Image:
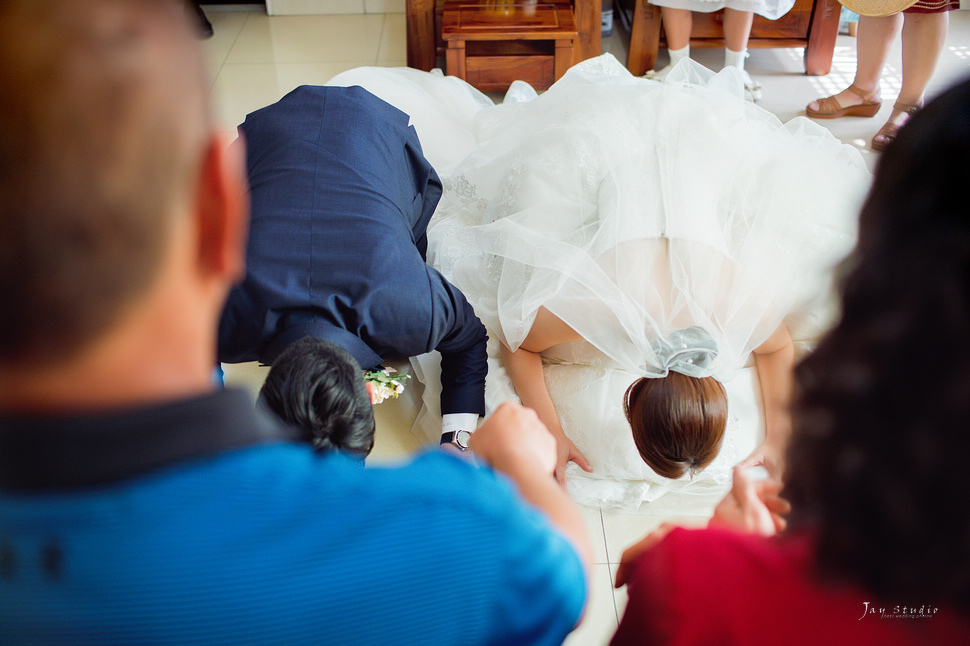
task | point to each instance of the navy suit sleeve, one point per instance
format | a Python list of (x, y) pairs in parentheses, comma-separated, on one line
[(461, 339)]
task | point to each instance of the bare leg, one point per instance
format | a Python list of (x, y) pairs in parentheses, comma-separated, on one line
[(872, 44), (737, 28), (923, 38), (677, 25)]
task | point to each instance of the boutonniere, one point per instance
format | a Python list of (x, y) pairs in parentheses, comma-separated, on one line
[(388, 383)]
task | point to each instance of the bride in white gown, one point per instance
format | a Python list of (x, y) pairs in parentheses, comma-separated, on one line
[(617, 229)]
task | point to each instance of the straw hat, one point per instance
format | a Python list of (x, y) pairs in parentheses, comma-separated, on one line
[(877, 7)]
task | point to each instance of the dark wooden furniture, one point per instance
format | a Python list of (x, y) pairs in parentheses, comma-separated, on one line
[(425, 20), (490, 45), (812, 24)]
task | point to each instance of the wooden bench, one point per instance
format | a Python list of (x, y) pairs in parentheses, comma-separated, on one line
[(812, 24), (491, 44)]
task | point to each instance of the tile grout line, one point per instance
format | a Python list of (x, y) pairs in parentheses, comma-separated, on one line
[(380, 40), (235, 40), (609, 568), (606, 545)]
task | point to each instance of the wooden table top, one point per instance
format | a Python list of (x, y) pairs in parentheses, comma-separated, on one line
[(508, 21)]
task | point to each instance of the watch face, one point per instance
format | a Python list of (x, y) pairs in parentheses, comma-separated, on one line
[(462, 438)]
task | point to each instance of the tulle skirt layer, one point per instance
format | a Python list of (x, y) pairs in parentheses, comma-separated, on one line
[(631, 209)]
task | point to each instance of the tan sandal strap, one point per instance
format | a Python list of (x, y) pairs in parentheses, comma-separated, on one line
[(828, 104), (888, 131), (909, 108), (859, 92)]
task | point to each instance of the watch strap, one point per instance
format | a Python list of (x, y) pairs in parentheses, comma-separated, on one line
[(451, 437)]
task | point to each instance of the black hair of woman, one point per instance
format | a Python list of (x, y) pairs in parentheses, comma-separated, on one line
[(882, 407)]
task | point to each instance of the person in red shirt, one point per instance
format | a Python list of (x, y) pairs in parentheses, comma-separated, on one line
[(876, 549)]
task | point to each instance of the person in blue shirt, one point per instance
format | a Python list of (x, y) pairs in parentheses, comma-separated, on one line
[(140, 503)]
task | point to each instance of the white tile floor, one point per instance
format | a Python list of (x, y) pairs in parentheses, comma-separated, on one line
[(256, 59)]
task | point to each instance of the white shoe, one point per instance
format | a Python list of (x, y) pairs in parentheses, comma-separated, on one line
[(752, 89), (658, 75)]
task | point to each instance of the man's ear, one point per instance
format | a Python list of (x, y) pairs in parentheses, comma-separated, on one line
[(222, 205)]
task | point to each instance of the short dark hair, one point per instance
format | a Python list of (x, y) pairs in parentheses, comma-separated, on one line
[(102, 132), (678, 422), (881, 413), (316, 387)]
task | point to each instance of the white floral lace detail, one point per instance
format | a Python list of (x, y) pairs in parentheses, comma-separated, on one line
[(508, 195), (604, 66), (461, 187)]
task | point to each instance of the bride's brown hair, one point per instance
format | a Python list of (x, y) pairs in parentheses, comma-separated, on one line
[(678, 421)]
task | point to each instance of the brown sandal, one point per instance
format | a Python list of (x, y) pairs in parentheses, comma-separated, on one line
[(887, 134), (830, 108)]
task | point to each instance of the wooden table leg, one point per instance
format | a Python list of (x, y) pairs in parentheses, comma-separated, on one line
[(455, 59), (822, 33), (420, 34), (644, 38), (589, 24), (565, 51)]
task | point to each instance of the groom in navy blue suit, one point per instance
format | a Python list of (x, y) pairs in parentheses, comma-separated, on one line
[(341, 199)]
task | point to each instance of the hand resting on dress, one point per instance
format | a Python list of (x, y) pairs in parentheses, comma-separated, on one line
[(524, 367)]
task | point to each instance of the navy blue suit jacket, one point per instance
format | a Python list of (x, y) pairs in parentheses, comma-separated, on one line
[(341, 198)]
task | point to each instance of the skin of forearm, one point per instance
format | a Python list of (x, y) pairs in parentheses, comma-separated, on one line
[(775, 360), (525, 370)]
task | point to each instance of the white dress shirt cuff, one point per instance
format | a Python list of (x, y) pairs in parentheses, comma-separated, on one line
[(459, 422)]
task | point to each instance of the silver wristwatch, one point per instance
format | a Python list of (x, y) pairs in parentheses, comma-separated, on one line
[(459, 438)]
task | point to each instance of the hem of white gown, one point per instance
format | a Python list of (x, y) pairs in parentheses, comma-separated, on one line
[(771, 11)]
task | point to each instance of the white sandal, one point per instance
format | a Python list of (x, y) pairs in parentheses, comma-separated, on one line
[(752, 89), (658, 75)]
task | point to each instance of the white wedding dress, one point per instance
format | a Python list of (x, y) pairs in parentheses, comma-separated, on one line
[(771, 9), (632, 210)]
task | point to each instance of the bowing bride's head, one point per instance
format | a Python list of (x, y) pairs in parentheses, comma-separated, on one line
[(678, 421)]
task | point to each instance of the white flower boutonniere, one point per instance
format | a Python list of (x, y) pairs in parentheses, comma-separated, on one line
[(389, 383)]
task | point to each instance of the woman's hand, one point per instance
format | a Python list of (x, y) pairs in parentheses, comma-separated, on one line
[(769, 456), (752, 506), (524, 368), (631, 553), (567, 452)]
